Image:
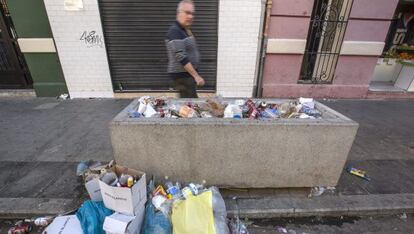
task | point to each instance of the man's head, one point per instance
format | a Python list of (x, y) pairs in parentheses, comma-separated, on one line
[(185, 13)]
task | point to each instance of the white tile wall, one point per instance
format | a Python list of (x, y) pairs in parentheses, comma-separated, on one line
[(84, 65), (238, 42)]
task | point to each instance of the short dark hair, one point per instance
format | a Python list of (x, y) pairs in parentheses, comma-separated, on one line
[(182, 2)]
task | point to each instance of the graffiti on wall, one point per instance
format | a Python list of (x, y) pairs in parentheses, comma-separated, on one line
[(92, 39)]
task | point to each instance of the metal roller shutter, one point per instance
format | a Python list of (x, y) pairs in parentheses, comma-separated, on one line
[(134, 32)]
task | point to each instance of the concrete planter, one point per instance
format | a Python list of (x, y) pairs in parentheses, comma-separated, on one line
[(237, 153)]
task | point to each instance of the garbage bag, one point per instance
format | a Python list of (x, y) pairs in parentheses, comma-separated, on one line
[(91, 216), (155, 222), (195, 214), (219, 212), (237, 227)]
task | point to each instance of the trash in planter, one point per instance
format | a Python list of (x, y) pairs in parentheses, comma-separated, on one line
[(21, 227), (269, 113), (133, 114), (187, 112), (215, 107), (310, 112), (357, 172), (308, 102), (233, 111), (303, 108), (253, 112)]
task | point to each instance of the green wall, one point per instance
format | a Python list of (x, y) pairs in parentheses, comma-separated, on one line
[(50, 81), (30, 18), (30, 21)]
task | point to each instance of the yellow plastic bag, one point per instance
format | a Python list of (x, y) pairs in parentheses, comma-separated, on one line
[(194, 215)]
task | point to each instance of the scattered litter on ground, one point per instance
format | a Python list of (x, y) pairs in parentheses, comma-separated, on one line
[(149, 107), (318, 191), (43, 221), (237, 227), (64, 96), (122, 202), (403, 216), (280, 229), (357, 172), (92, 215), (68, 224), (21, 227)]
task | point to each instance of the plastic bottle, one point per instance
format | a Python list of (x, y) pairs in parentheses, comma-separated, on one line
[(228, 112), (172, 189), (43, 221), (237, 112), (130, 182)]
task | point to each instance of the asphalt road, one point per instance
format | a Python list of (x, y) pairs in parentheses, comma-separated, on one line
[(354, 225), (403, 223)]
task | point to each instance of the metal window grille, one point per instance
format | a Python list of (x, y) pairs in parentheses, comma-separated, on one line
[(326, 33), (5, 8)]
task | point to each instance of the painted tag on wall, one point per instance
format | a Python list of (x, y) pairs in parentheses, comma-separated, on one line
[(92, 39)]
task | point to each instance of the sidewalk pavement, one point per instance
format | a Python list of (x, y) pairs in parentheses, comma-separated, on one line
[(43, 139)]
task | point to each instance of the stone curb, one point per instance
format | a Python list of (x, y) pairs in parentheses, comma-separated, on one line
[(11, 208), (17, 93), (353, 205)]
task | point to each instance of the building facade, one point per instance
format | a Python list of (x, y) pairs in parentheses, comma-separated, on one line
[(269, 48), (330, 48)]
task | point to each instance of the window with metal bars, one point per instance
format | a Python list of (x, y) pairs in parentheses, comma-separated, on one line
[(326, 33), (5, 8)]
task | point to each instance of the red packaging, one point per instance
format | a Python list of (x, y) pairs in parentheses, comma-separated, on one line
[(253, 112), (21, 228)]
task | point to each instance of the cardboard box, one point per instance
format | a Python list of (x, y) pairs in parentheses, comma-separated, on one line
[(118, 223), (64, 225), (94, 190), (125, 200)]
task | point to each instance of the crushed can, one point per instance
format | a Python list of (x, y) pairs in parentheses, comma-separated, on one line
[(21, 228)]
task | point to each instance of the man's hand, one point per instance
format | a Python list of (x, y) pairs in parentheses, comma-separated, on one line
[(199, 80)]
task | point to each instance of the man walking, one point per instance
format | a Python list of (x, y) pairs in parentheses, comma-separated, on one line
[(183, 54)]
